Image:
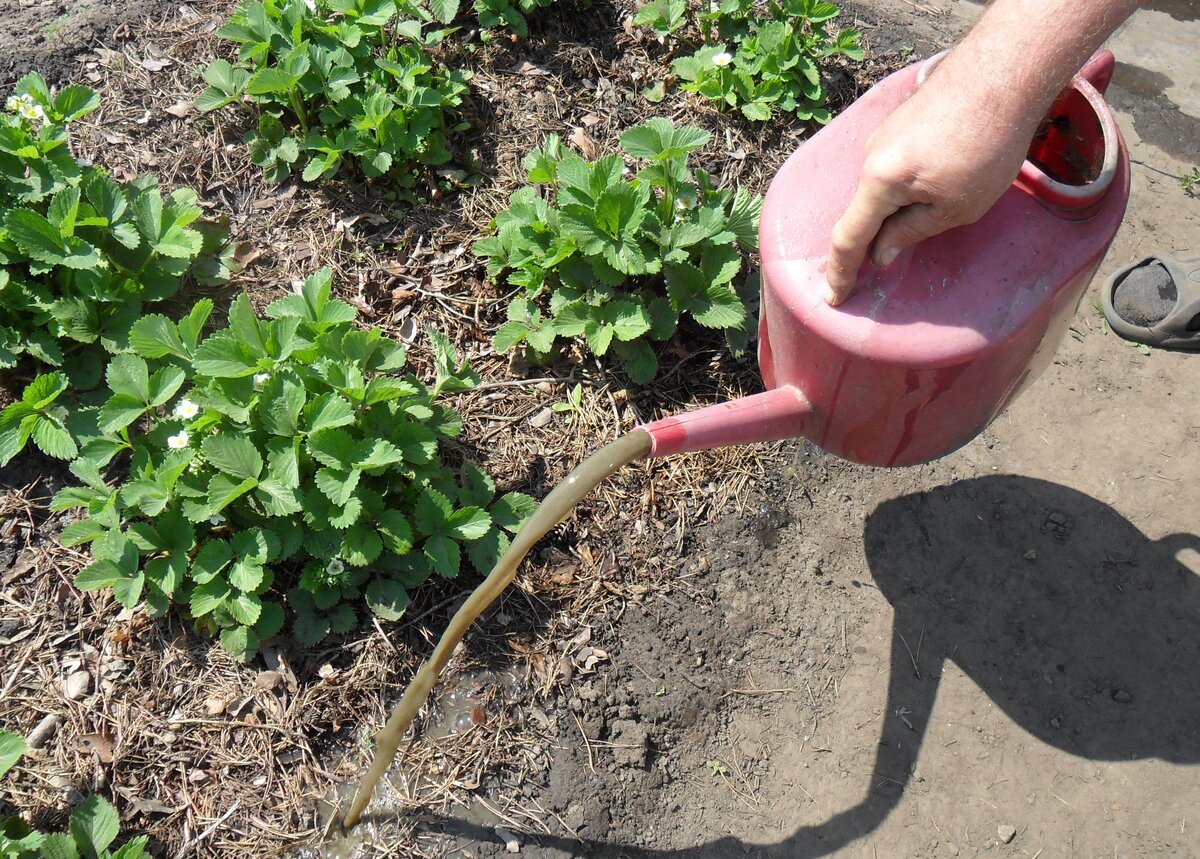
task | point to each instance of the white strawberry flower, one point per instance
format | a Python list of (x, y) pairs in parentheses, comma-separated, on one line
[(722, 58), (685, 202), (194, 466), (26, 107), (335, 567), (260, 379), (186, 409), (178, 441), (216, 519)]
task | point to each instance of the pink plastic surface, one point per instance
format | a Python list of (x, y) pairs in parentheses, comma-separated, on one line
[(929, 351)]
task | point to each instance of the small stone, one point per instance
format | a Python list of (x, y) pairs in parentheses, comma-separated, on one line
[(215, 706), (1122, 697), (511, 844), (542, 419), (77, 685), (43, 731), (1006, 833), (1031, 555)]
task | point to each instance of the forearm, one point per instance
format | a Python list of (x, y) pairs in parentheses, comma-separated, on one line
[(1022, 53)]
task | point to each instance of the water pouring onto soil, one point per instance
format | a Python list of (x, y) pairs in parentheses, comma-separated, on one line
[(554, 509)]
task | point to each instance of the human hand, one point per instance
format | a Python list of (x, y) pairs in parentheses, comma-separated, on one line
[(940, 160)]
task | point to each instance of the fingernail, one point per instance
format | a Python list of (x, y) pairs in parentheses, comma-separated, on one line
[(831, 297), (888, 256)]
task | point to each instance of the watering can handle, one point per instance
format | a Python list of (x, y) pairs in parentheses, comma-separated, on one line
[(1098, 71)]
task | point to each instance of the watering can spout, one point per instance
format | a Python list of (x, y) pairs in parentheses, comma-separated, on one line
[(779, 413)]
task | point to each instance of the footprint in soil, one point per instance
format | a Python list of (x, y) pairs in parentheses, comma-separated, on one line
[(1085, 631)]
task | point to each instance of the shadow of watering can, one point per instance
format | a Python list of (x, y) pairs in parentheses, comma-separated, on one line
[(928, 352)]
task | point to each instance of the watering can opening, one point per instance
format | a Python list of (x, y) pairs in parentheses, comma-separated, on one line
[(929, 351)]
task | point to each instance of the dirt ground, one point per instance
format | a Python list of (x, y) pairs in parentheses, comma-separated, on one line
[(844, 662)]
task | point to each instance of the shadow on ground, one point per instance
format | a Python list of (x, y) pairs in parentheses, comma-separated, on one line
[(1085, 631)]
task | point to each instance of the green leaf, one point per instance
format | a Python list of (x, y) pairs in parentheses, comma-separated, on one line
[(387, 598), (43, 241), (658, 139), (99, 574), (212, 557), (333, 447), (240, 641), (432, 511), (361, 545), (469, 523), (721, 308), (128, 374), (223, 356), (119, 412), (94, 825), (55, 846), (477, 487), (44, 390), (328, 410), (209, 596), (284, 403), (444, 555), (338, 485), (244, 608), (396, 531), (512, 510), (12, 746), (235, 455), (82, 531), (155, 336), (53, 439), (164, 383), (223, 490), (270, 621)]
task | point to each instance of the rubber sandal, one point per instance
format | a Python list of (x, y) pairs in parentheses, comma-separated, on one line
[(1152, 314)]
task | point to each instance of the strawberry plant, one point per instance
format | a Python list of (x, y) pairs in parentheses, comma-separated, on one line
[(92, 828), (619, 258), (80, 253), (508, 13), (757, 63), (337, 81), (279, 459)]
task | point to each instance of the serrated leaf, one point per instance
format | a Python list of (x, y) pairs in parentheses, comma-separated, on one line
[(241, 642), (337, 485), (44, 390), (209, 596), (396, 531), (512, 510), (94, 825), (43, 241), (469, 523), (235, 455), (333, 447), (212, 557), (244, 607), (328, 410), (129, 375), (223, 490), (119, 412), (387, 598), (12, 746), (155, 336), (444, 555), (361, 545), (431, 512), (53, 439), (82, 531), (164, 383)]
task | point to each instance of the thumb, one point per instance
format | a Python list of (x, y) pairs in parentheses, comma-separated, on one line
[(905, 228)]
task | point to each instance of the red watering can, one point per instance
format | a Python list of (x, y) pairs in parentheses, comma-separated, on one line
[(928, 352)]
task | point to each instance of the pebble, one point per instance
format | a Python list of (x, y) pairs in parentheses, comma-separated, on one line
[(1122, 697), (542, 419), (1006, 833), (77, 684), (511, 844)]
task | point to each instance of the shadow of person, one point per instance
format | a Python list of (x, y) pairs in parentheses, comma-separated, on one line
[(1082, 629)]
